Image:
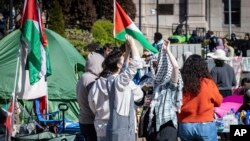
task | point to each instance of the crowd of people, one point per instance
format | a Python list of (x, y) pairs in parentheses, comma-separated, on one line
[(175, 101), (232, 47)]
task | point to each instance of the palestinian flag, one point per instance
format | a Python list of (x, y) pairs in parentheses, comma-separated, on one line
[(124, 25), (34, 58), (38, 63)]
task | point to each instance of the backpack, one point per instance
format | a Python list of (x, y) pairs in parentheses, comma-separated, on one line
[(213, 43)]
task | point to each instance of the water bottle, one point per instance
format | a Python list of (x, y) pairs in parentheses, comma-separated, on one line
[(237, 115), (247, 117), (243, 116)]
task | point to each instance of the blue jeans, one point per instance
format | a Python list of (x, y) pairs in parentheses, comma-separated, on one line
[(205, 131)]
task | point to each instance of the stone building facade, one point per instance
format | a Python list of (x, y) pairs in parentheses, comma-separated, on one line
[(202, 15)]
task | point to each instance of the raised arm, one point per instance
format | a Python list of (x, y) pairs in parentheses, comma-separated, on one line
[(132, 46), (175, 73), (128, 74)]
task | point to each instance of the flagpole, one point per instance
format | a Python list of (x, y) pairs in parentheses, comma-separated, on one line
[(14, 99), (39, 17), (41, 31), (157, 15), (140, 14), (114, 4)]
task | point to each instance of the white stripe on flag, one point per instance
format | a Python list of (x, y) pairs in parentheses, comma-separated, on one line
[(134, 27), (43, 61), (24, 89)]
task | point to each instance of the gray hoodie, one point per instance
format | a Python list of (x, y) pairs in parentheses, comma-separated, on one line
[(92, 69)]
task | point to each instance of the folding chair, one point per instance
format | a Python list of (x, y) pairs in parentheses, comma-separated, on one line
[(47, 120), (60, 124)]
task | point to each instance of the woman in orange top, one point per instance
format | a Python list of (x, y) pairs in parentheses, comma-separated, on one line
[(200, 96)]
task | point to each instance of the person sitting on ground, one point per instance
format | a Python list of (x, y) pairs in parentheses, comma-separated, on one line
[(245, 83)]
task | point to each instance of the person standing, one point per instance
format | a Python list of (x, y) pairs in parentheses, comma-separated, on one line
[(230, 50), (223, 74), (112, 97), (246, 45), (107, 48), (200, 96), (158, 41), (2, 26), (221, 45), (212, 41), (194, 39), (235, 44), (86, 117), (167, 96)]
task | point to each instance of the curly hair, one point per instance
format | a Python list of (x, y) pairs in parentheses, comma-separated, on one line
[(110, 63), (193, 71)]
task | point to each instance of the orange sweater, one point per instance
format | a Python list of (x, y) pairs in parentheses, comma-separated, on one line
[(200, 108)]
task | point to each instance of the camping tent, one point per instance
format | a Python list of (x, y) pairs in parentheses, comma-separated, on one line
[(66, 63)]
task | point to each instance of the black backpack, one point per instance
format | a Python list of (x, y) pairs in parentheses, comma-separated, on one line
[(213, 42)]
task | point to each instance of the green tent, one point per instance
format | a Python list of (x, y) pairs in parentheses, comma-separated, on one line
[(66, 64)]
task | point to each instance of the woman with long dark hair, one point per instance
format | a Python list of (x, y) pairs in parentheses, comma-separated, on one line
[(200, 96)]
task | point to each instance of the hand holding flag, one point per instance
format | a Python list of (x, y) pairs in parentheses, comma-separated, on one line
[(124, 25)]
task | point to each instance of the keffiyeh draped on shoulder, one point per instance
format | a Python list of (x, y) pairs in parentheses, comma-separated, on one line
[(168, 96)]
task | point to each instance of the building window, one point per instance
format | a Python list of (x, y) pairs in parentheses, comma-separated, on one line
[(182, 10), (166, 9), (235, 12)]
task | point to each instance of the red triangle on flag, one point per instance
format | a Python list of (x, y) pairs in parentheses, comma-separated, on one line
[(121, 20)]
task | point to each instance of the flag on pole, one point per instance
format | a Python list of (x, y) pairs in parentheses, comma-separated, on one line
[(124, 25), (34, 58), (33, 35)]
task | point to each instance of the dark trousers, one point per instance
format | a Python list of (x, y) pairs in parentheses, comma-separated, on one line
[(88, 131), (225, 93), (167, 132)]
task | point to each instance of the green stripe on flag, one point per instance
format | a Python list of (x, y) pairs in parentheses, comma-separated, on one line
[(32, 36), (138, 36), (121, 35), (48, 64)]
